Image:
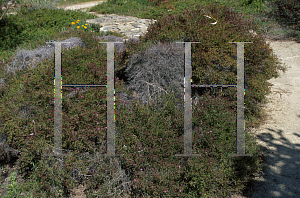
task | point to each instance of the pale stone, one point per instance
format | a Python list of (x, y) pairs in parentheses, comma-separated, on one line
[(253, 32)]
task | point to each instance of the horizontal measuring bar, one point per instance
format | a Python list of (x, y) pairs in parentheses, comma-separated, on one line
[(214, 85), (191, 85), (85, 85)]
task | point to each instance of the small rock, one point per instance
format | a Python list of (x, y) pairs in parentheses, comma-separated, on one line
[(253, 32)]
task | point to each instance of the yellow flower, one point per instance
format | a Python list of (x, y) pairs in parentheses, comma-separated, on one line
[(82, 25), (78, 27), (85, 24), (85, 27), (73, 23)]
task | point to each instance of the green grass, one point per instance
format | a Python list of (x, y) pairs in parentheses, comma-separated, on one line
[(39, 183)]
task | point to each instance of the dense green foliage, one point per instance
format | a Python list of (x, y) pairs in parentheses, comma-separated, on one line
[(34, 24), (149, 139)]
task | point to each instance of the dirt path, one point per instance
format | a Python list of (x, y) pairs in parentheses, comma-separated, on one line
[(82, 6), (280, 133)]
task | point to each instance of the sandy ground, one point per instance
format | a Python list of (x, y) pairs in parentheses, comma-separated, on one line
[(281, 134)]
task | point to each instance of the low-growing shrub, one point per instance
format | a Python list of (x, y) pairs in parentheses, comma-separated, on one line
[(214, 59), (214, 62), (146, 138), (288, 12), (10, 33)]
